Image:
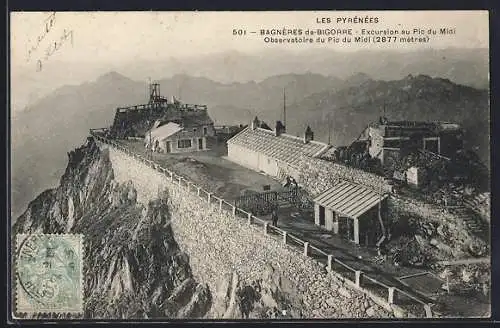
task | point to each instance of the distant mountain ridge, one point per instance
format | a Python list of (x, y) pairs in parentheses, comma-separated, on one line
[(415, 98), (462, 66), (42, 134)]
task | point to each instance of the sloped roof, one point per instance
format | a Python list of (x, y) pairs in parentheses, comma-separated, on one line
[(285, 148), (349, 199), (165, 131)]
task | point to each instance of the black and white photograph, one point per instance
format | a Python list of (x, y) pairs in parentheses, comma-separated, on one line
[(273, 165)]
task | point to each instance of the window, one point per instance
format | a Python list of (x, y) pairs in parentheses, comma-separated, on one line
[(432, 145), (205, 131), (396, 143), (194, 130), (185, 143)]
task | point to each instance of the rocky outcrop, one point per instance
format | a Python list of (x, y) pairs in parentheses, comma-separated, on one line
[(439, 234), (133, 267)]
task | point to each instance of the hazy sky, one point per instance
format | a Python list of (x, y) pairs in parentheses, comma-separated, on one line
[(123, 36)]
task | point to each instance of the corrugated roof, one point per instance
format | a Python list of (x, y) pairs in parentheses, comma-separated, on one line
[(349, 199), (165, 131), (285, 148)]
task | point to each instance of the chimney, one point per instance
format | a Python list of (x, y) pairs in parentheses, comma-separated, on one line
[(255, 123), (308, 135), (279, 129)]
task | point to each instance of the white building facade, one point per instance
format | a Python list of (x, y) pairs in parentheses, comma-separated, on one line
[(266, 151)]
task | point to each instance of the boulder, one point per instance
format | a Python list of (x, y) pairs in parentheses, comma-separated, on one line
[(442, 231), (344, 292), (370, 312), (330, 301), (420, 240)]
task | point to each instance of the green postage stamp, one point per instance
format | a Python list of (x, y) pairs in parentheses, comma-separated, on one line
[(48, 273)]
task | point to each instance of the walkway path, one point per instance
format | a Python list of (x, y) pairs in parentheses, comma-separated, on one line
[(301, 225)]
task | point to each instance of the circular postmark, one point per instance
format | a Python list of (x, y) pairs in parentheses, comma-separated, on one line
[(48, 271)]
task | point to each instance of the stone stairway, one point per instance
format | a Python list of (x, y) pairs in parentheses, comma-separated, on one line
[(475, 202), (471, 219), (480, 206), (282, 203)]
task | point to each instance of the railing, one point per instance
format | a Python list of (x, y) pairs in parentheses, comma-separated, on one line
[(357, 278), (133, 107), (151, 106), (98, 130), (259, 203), (193, 107), (429, 153)]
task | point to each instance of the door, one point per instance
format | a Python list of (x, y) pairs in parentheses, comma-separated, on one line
[(200, 143), (168, 147), (346, 228), (350, 229), (322, 216), (431, 145)]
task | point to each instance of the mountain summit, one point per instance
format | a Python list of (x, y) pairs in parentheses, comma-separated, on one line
[(42, 134), (113, 77), (413, 98)]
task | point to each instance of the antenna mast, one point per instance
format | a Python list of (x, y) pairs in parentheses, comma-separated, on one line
[(180, 86), (329, 128), (284, 108), (150, 88)]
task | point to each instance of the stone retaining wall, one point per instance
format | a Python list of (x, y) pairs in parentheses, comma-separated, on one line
[(317, 175), (218, 244)]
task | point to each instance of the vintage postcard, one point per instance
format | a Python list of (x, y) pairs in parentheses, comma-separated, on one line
[(250, 165)]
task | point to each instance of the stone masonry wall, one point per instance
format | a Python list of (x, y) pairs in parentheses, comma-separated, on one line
[(218, 244), (317, 175)]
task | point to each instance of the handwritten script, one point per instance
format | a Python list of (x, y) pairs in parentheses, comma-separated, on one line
[(52, 46), (49, 23)]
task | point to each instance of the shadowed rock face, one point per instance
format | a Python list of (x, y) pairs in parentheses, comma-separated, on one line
[(133, 268), (270, 297)]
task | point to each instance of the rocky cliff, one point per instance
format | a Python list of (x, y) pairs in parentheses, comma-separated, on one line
[(133, 267), (144, 256)]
